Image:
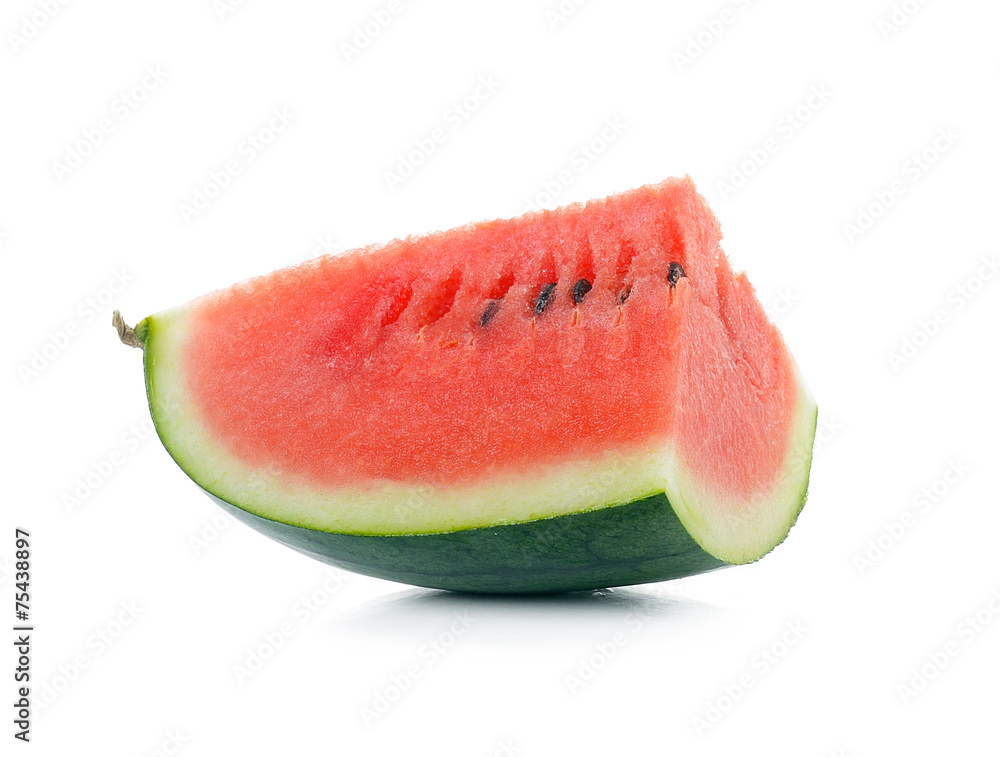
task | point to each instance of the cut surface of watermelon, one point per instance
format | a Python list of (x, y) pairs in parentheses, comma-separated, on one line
[(494, 375)]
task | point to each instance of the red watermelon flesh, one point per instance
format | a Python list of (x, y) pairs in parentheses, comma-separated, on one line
[(493, 365)]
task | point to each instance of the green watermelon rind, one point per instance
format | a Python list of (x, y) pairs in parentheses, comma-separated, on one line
[(621, 545)]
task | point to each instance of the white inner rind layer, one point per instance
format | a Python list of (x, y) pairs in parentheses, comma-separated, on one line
[(736, 531)]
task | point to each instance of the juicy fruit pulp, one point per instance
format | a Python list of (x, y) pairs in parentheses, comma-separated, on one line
[(492, 376)]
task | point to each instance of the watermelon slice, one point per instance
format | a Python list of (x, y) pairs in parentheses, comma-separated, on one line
[(575, 398)]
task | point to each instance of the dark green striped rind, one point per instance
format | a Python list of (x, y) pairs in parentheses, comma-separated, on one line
[(638, 542)]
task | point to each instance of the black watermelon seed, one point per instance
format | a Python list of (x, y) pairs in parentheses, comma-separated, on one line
[(491, 310), (624, 295), (580, 290), (676, 273), (542, 301)]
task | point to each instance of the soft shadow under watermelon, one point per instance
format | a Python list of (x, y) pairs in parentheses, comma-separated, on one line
[(410, 613)]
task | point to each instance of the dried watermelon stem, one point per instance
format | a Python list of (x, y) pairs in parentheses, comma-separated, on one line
[(125, 332)]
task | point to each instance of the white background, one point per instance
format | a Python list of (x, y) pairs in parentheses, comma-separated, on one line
[(846, 300)]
